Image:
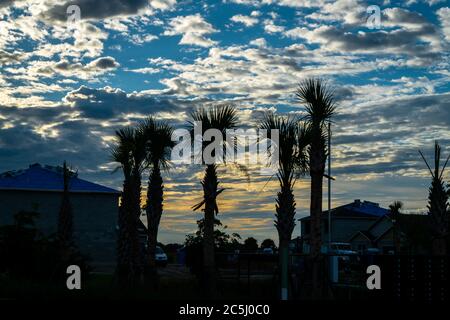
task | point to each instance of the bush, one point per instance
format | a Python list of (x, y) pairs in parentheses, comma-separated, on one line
[(25, 253)]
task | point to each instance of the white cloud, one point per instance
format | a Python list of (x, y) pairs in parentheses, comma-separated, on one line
[(194, 30), (246, 20), (270, 27), (260, 42), (444, 17)]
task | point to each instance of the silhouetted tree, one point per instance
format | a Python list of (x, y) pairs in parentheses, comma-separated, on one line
[(320, 106), (220, 118), (65, 216), (395, 208), (438, 204), (268, 243), (292, 161), (159, 145), (129, 151), (250, 244)]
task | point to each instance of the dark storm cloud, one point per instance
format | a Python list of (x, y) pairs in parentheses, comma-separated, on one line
[(22, 144), (98, 9), (400, 38), (108, 103)]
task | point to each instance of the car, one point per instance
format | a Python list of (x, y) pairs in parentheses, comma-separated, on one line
[(160, 257), (268, 251), (371, 251), (341, 249)]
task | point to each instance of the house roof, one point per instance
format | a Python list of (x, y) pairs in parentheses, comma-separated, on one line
[(47, 178), (356, 209)]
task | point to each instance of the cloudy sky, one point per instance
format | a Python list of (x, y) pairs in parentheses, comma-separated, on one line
[(66, 86)]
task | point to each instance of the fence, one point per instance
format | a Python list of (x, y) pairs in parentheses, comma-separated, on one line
[(403, 278)]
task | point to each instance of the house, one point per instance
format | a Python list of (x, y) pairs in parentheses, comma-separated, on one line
[(379, 235), (408, 233), (346, 221), (39, 188)]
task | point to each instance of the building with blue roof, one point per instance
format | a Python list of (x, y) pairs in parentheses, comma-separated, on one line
[(346, 221), (39, 188)]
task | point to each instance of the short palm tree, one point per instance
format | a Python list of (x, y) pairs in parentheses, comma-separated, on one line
[(129, 151), (438, 203), (159, 146), (292, 157), (395, 209), (65, 216), (220, 118)]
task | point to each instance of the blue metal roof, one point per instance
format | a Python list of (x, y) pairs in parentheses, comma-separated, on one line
[(356, 209), (47, 178), (367, 208)]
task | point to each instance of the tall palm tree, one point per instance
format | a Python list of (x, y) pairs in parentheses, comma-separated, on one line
[(220, 118), (292, 146), (438, 203), (129, 151), (159, 145), (395, 208), (320, 106)]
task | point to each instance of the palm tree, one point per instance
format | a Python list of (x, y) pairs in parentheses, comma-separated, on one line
[(65, 217), (159, 146), (291, 161), (395, 208), (320, 106), (220, 118), (129, 151), (438, 204)]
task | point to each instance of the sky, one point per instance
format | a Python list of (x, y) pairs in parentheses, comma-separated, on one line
[(66, 85)]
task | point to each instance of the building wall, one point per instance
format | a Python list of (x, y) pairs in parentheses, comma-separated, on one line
[(360, 243), (95, 218), (343, 229)]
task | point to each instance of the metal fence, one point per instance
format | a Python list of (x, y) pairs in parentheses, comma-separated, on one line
[(403, 278)]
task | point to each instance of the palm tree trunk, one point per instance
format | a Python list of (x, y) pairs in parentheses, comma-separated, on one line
[(123, 239), (210, 184), (316, 212), (154, 211), (285, 224), (317, 170), (65, 218), (134, 216)]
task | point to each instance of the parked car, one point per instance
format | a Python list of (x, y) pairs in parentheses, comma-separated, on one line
[(160, 257), (372, 251), (341, 249), (268, 251)]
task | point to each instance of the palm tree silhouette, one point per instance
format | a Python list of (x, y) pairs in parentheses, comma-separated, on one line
[(129, 151), (159, 145), (220, 118), (395, 209), (320, 106), (438, 204), (292, 161)]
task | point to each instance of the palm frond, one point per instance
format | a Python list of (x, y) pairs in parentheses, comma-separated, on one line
[(318, 99)]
